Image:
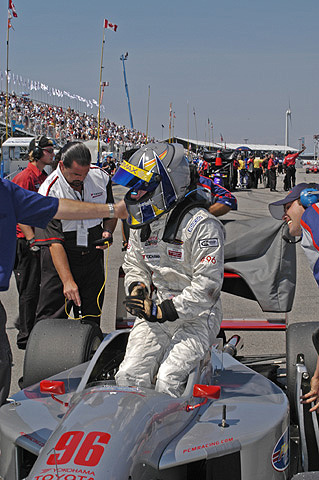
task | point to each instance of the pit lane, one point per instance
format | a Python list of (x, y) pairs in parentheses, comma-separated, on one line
[(251, 204)]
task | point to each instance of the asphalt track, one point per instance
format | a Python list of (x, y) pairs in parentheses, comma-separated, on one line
[(253, 203)]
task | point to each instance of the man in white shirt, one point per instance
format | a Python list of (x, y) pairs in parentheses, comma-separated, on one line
[(72, 265)]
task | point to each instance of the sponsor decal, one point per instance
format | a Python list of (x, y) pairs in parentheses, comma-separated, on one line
[(207, 445), (65, 474), (32, 439), (151, 241), (209, 242), (177, 254), (129, 246), (280, 454), (177, 242), (83, 450), (97, 194), (208, 259), (194, 223), (151, 256)]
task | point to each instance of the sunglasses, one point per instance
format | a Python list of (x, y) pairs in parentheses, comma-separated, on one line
[(49, 150)]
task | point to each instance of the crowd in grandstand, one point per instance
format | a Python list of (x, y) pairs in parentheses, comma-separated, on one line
[(66, 124)]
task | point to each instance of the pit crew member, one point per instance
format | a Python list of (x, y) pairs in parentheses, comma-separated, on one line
[(300, 210), (72, 267), (27, 263), (289, 164)]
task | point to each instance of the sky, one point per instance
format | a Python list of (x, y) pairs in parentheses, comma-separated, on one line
[(239, 64)]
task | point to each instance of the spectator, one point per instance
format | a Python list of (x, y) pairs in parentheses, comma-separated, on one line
[(109, 165)]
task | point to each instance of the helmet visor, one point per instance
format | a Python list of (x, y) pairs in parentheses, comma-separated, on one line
[(136, 178)]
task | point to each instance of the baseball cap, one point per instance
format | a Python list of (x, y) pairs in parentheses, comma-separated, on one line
[(41, 142), (277, 208)]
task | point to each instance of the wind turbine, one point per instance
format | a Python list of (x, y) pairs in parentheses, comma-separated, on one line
[(288, 119)]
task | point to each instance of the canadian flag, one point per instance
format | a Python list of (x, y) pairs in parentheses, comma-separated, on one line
[(109, 25), (13, 8)]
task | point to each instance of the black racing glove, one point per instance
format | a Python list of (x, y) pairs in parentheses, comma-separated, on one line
[(143, 308), (141, 305)]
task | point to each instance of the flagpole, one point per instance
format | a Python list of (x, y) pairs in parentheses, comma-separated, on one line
[(148, 111), (187, 128), (170, 122), (99, 110), (195, 130), (173, 137), (7, 80)]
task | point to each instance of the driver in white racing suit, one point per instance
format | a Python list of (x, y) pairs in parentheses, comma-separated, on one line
[(173, 282)]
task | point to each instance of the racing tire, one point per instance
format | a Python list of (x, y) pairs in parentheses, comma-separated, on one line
[(56, 345), (299, 341)]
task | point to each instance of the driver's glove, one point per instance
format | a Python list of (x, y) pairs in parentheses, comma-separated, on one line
[(144, 308), (140, 304)]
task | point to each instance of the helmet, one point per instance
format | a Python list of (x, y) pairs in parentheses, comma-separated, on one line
[(160, 170)]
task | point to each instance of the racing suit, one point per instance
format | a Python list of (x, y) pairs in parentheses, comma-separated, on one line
[(189, 275)]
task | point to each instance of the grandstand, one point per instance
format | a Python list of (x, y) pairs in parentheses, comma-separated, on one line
[(27, 117)]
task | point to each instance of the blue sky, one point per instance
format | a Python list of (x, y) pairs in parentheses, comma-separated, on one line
[(238, 63)]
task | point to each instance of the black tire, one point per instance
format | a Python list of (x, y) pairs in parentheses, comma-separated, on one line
[(299, 341), (56, 345)]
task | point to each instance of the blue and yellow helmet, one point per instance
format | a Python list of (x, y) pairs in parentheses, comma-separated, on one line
[(158, 171)]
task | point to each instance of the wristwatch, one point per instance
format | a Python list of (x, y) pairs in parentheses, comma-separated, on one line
[(111, 210)]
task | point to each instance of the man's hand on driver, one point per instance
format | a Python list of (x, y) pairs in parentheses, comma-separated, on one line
[(313, 395)]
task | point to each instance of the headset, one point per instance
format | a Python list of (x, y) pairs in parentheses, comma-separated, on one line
[(37, 150), (309, 196)]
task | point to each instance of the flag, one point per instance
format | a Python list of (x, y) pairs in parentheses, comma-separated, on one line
[(13, 8), (110, 26), (221, 138)]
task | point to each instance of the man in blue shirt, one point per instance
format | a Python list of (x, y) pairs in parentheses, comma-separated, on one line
[(300, 210), (18, 205)]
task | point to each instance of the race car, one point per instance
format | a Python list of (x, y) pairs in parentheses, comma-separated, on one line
[(230, 422), (312, 168), (72, 422)]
